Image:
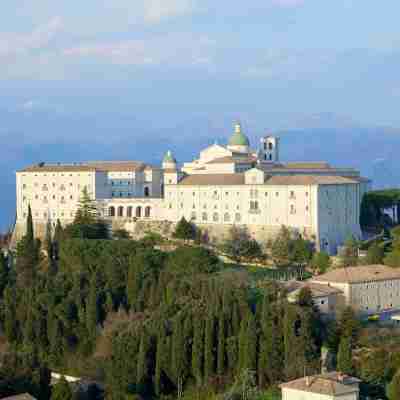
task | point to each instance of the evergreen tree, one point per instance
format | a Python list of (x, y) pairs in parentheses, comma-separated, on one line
[(221, 358), (10, 321), (61, 390), (92, 310), (320, 262), (87, 224), (375, 254), (393, 389), (209, 357), (133, 285), (305, 298), (27, 255), (345, 356), (301, 251), (350, 255), (160, 360), (184, 230), (197, 351), (142, 370), (4, 273), (239, 245), (48, 242), (282, 246), (178, 356)]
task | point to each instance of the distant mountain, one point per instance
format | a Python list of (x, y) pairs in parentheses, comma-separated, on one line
[(33, 137)]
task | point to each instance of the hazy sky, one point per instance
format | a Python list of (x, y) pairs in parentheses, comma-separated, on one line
[(283, 56)]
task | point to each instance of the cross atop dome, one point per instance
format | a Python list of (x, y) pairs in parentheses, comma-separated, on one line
[(239, 142)]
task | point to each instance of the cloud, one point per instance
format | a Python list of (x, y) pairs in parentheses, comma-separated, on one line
[(157, 10), (13, 44), (173, 49), (287, 3)]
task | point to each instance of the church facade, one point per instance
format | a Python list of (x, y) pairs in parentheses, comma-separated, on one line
[(225, 186)]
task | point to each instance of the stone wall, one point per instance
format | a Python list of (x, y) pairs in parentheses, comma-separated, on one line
[(214, 233)]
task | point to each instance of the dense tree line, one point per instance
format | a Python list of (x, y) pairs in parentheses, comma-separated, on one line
[(154, 323)]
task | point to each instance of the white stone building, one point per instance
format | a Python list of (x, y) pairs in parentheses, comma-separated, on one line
[(367, 289), (328, 386), (227, 185)]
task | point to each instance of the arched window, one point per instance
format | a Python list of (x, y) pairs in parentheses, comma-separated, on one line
[(193, 216), (111, 211), (120, 211), (215, 217), (238, 217), (146, 192), (147, 212), (204, 217), (227, 217), (129, 212), (270, 146), (138, 212)]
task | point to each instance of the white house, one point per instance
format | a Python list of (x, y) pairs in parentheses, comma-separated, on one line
[(329, 386)]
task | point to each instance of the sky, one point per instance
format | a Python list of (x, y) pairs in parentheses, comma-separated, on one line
[(93, 78), (290, 56)]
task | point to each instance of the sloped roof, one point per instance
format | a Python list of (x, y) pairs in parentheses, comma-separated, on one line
[(308, 180), (274, 180), (331, 384), (307, 164), (24, 396), (102, 166), (359, 274), (317, 289), (213, 179), (231, 160)]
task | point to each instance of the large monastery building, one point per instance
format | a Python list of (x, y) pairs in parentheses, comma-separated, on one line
[(227, 185)]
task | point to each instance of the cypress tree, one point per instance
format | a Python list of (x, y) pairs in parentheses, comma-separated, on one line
[(27, 255), (242, 345), (92, 312), (10, 322), (132, 285), (251, 361), (48, 242), (178, 355), (197, 350), (393, 389), (209, 358), (142, 370), (160, 357), (61, 390), (221, 359), (345, 356), (4, 273)]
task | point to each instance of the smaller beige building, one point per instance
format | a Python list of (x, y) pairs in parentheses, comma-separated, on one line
[(329, 386), (367, 289)]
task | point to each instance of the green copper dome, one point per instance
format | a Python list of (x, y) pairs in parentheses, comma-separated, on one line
[(169, 158), (238, 138)]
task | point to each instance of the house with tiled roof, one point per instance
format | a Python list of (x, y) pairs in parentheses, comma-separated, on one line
[(368, 289), (328, 386)]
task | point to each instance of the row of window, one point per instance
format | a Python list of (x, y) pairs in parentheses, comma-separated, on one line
[(45, 199), (253, 194), (129, 212), (61, 214), (45, 187), (216, 217), (146, 193)]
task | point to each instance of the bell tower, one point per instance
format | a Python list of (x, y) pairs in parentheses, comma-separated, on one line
[(269, 149)]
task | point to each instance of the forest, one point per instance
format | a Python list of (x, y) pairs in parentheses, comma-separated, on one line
[(146, 323)]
